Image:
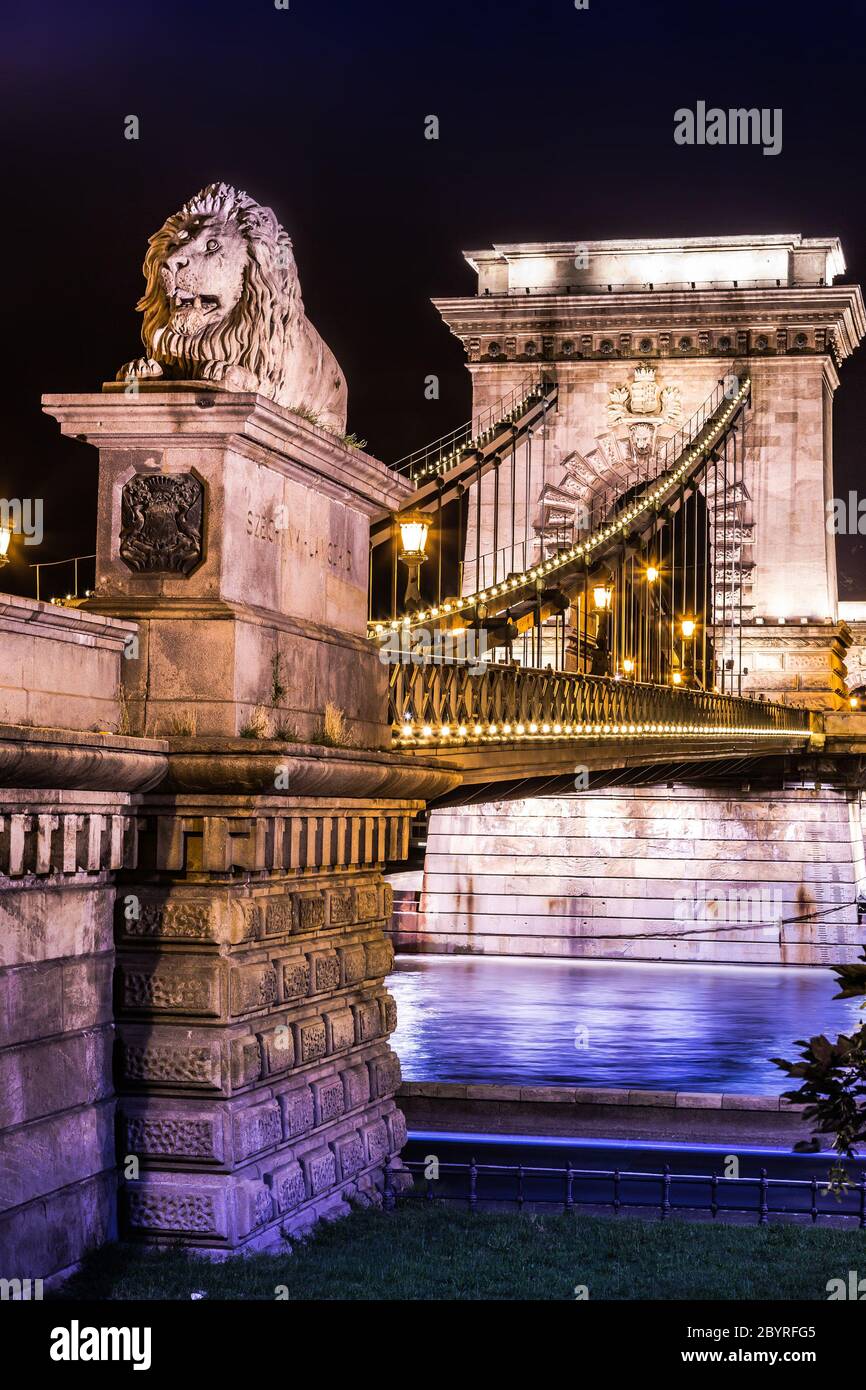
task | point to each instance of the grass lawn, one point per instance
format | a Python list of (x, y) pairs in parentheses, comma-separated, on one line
[(420, 1252)]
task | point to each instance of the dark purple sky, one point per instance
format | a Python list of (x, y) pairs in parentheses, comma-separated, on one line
[(554, 124)]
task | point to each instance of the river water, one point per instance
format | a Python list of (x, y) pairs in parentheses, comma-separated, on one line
[(608, 1023)]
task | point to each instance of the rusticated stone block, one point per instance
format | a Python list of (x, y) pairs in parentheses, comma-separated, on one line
[(325, 971), (157, 1062), (174, 1209), (297, 1111), (247, 923), (288, 1186), (295, 977), (175, 985), (278, 1047), (368, 1019), (174, 1134), (356, 1086), (353, 960), (380, 958), (341, 907), (253, 987), (311, 1040), (255, 1206), (246, 1061), (184, 920), (367, 903), (309, 912), (341, 1029), (389, 1012), (397, 1131), (320, 1170), (375, 1140), (278, 914), (256, 1128), (385, 1074), (387, 901), (328, 1100), (350, 1155)]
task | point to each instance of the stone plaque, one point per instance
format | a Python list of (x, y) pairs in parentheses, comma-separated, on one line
[(161, 523)]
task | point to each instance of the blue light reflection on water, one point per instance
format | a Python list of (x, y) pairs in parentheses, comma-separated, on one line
[(515, 1021)]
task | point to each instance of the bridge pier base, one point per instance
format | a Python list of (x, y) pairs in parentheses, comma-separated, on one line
[(256, 1084), (716, 874)]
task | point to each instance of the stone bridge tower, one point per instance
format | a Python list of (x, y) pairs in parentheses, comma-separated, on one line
[(691, 311), (728, 871)]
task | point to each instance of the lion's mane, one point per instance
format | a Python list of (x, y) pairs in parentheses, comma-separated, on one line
[(257, 335)]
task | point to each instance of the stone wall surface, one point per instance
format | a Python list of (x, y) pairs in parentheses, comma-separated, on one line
[(60, 666), (656, 873), (256, 1082), (59, 852)]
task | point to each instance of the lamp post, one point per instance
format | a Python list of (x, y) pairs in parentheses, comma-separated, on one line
[(687, 631), (414, 528), (602, 597), (5, 541)]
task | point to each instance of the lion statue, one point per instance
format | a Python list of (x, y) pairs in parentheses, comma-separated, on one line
[(223, 303)]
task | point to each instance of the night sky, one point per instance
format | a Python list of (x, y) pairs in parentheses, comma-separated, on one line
[(555, 124)]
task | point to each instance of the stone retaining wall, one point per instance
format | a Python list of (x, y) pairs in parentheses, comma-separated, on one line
[(59, 852), (599, 1113)]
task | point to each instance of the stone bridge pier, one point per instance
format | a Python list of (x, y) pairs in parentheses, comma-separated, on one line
[(253, 1080)]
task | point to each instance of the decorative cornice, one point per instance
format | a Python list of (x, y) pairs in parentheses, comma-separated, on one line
[(190, 415), (832, 317)]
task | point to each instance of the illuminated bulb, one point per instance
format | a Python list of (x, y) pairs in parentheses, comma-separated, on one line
[(520, 729), (676, 678), (445, 731), (479, 729), (545, 728), (426, 731), (533, 728), (461, 732)]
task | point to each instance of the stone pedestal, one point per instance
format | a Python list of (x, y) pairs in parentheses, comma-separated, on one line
[(237, 535), (255, 1081)]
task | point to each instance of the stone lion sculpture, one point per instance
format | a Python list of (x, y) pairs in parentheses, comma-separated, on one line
[(223, 303)]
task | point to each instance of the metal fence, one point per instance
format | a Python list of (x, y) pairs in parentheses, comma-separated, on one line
[(478, 1185)]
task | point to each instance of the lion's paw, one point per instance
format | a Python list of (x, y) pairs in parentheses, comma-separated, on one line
[(140, 367), (233, 377)]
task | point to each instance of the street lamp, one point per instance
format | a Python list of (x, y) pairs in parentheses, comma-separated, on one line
[(652, 574), (5, 540), (414, 528), (602, 597), (687, 627), (628, 666)]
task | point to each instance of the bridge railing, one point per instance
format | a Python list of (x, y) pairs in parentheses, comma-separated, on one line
[(441, 452), (466, 702)]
